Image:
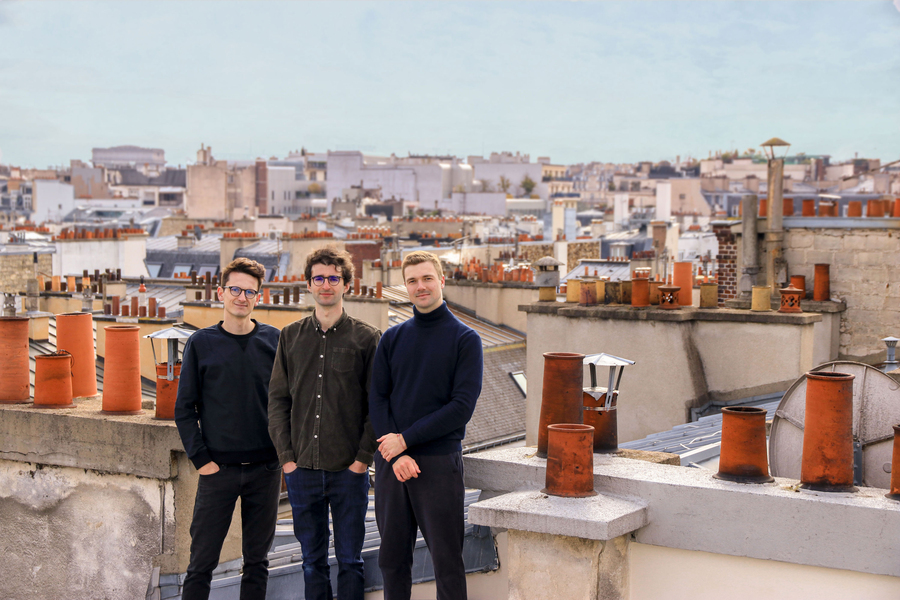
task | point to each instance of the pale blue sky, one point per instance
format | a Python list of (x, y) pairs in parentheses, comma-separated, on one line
[(576, 81)]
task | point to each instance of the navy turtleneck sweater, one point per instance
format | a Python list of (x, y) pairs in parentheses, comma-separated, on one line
[(425, 381)]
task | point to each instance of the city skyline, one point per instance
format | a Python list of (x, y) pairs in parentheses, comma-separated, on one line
[(611, 82)]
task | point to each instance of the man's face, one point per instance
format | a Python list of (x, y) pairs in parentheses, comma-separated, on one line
[(239, 306), (327, 294), (424, 286)]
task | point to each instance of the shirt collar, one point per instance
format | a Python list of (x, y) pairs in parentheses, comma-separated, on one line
[(341, 320)]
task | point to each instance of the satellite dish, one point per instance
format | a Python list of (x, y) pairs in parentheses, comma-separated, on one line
[(876, 409)]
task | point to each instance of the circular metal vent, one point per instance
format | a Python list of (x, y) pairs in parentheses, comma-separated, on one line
[(876, 409)]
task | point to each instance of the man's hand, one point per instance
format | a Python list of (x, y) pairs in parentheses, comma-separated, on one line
[(209, 468), (358, 467), (289, 467), (406, 468), (392, 445)]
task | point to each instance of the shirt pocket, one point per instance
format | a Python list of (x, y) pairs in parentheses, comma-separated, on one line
[(343, 359)]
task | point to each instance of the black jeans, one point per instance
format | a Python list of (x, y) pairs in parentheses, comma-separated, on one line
[(433, 501), (258, 485)]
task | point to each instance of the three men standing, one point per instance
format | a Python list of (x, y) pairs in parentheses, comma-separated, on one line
[(426, 380), (318, 421), (221, 414)]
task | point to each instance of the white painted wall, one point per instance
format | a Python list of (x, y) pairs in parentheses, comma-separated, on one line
[(482, 203), (52, 200), (658, 573), (73, 256), (663, 201)]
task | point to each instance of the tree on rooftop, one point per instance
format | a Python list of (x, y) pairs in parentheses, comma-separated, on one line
[(485, 185), (314, 188), (527, 185), (504, 183)]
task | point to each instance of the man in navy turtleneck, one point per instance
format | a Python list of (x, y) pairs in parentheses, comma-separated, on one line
[(425, 381)]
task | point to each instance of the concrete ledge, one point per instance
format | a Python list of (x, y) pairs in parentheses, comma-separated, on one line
[(681, 315), (690, 510), (499, 284), (596, 518), (813, 306), (85, 438)]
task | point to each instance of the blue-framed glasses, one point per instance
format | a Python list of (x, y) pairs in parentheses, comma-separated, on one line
[(237, 291), (332, 279)]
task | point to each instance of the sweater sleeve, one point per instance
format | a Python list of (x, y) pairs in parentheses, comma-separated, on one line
[(367, 443), (280, 403), (380, 389), (466, 389), (187, 406)]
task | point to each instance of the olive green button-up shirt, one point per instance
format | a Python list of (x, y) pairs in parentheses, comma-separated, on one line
[(319, 394)]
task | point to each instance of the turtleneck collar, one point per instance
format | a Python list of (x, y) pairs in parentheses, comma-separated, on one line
[(434, 317)]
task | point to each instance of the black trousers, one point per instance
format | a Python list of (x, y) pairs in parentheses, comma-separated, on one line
[(433, 502), (258, 485)]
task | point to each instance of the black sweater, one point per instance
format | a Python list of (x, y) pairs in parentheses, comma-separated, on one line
[(425, 381), (222, 405)]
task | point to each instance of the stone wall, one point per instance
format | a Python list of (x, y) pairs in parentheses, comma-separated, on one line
[(864, 266), (533, 252), (16, 269), (579, 250), (727, 266)]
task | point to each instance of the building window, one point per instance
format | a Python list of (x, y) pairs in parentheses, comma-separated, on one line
[(681, 196), (519, 378), (153, 269), (183, 269)]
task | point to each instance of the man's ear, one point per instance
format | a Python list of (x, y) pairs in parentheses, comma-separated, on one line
[(220, 294)]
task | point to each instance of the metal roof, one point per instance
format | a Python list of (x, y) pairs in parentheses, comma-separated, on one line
[(170, 296), (700, 440), (169, 243), (604, 268)]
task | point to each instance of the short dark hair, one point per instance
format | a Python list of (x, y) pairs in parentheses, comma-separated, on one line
[(329, 255), (248, 267)]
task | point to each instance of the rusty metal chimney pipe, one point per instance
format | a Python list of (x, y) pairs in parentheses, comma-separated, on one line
[(561, 394), (743, 458), (827, 464), (894, 493)]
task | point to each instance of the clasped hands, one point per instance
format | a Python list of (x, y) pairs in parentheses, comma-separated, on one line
[(392, 445)]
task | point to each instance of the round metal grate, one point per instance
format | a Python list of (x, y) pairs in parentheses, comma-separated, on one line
[(876, 409)]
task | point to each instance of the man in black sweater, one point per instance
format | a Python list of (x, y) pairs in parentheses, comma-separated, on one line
[(221, 414), (426, 379)]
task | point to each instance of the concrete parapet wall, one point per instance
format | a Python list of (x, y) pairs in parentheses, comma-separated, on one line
[(93, 502), (684, 358), (497, 303), (690, 510)]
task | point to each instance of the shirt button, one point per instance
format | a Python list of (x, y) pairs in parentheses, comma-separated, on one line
[(315, 436), (319, 396), (317, 416), (320, 374), (321, 356)]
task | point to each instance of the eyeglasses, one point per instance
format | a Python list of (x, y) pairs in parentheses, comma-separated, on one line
[(332, 279), (236, 291)]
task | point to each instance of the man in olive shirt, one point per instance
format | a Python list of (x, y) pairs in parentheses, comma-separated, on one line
[(319, 423)]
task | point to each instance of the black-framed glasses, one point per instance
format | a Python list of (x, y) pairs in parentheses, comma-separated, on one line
[(332, 279), (237, 291)]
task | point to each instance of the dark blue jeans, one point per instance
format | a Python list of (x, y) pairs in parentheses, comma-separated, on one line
[(311, 492), (258, 486)]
